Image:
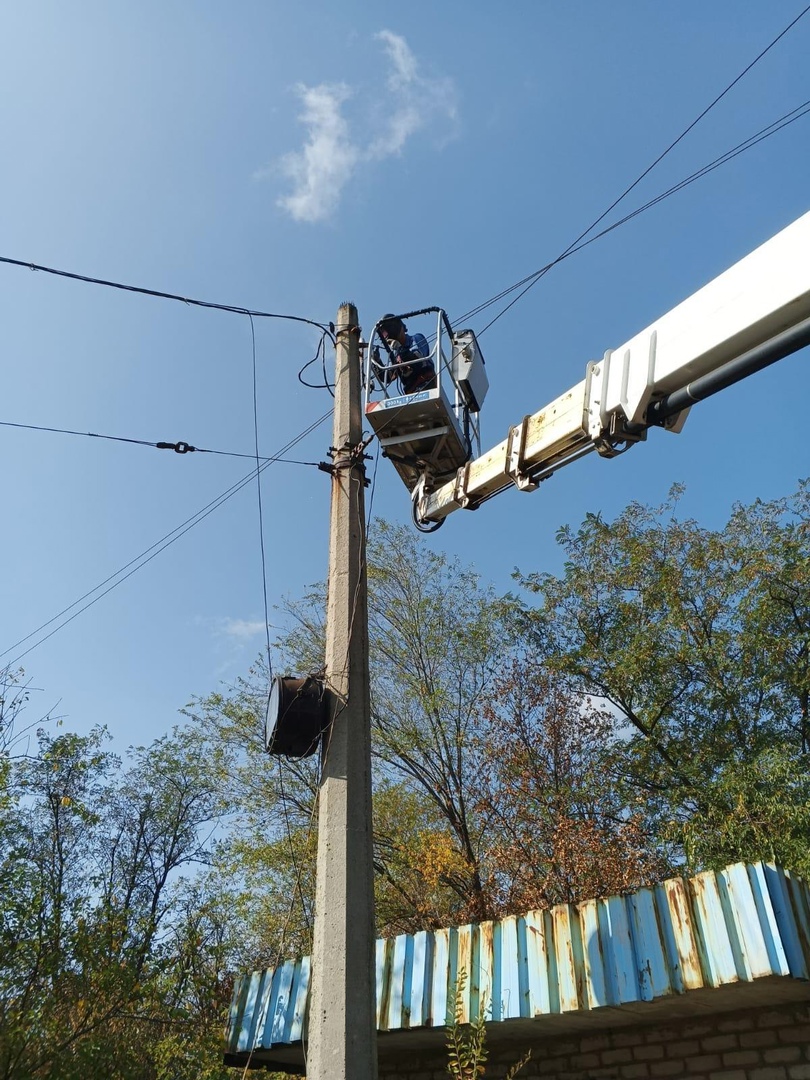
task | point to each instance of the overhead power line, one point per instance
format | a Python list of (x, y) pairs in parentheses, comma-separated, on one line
[(178, 447), (532, 279), (259, 500), (146, 556), (764, 133), (770, 129), (233, 308)]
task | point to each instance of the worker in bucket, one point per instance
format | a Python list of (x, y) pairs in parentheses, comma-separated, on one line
[(410, 356)]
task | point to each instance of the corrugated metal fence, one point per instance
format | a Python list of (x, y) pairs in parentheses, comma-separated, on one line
[(737, 925)]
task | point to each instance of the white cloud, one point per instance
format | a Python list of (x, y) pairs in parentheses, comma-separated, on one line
[(401, 57), (417, 100), (322, 169), (231, 639), (332, 152), (242, 629)]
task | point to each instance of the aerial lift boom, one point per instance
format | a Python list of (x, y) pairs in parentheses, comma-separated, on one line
[(755, 313)]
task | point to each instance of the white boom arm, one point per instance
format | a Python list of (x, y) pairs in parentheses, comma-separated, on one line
[(723, 324)]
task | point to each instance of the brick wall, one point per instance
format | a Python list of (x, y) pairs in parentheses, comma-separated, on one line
[(758, 1044)]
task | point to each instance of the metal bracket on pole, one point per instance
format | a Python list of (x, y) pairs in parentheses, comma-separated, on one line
[(515, 457)]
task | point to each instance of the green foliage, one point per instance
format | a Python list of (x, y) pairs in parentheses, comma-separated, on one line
[(699, 641), (437, 641), (756, 809), (649, 710), (420, 872), (467, 1044), (630, 722), (265, 861), (102, 955)]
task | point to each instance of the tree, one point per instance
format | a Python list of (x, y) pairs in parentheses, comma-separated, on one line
[(438, 639), (564, 830), (469, 729), (48, 997), (420, 871), (698, 641), (266, 857), (91, 854), (15, 694)]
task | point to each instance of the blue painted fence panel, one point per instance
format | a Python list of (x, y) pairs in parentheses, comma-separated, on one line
[(737, 925)]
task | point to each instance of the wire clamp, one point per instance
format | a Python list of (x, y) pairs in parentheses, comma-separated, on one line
[(178, 447), (348, 457), (515, 457)]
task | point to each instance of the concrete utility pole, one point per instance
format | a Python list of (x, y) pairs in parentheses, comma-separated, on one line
[(342, 1015)]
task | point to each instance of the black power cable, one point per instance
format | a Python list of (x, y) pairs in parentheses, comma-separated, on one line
[(152, 551), (320, 354), (773, 128), (259, 495), (233, 308), (753, 140), (178, 447), (532, 279)]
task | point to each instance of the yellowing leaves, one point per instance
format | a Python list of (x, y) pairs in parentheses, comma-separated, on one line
[(438, 858)]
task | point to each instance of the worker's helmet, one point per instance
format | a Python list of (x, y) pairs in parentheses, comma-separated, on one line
[(391, 326)]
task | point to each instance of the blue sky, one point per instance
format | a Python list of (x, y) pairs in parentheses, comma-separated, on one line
[(289, 157)]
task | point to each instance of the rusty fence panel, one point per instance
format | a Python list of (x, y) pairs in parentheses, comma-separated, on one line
[(736, 925)]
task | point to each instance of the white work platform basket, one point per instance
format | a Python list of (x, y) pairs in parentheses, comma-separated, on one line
[(430, 434)]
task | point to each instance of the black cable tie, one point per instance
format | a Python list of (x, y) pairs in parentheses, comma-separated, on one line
[(327, 467)]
